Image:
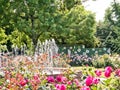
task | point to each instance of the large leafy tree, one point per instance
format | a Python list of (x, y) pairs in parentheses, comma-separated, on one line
[(34, 17), (65, 20), (76, 25)]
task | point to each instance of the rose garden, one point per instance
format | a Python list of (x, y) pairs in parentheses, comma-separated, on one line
[(58, 45), (49, 70)]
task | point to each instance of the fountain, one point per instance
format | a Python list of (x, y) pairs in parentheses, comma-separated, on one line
[(42, 58)]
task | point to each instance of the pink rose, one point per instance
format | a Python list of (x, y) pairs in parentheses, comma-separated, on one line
[(57, 86), (117, 72), (38, 81), (96, 80), (63, 87), (107, 73), (59, 78), (50, 79), (85, 88), (36, 77), (69, 83), (60, 87), (64, 79), (108, 68), (76, 82), (98, 72), (23, 82), (89, 81)]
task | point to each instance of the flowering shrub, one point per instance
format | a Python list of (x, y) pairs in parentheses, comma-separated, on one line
[(80, 60)]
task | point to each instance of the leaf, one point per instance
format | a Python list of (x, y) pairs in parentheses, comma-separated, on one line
[(107, 81)]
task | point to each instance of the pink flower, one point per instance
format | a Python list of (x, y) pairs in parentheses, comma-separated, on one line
[(59, 78), (63, 87), (23, 82), (98, 72), (32, 82), (36, 77), (19, 76), (1, 87), (60, 87), (50, 79), (117, 72), (69, 83), (85, 88), (96, 80), (108, 68), (107, 73), (64, 79), (89, 81), (76, 82), (53, 57)]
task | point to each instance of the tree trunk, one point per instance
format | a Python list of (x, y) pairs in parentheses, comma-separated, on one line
[(34, 40)]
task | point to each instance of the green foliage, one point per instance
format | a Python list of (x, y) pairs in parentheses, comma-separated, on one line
[(109, 30), (64, 20), (31, 17), (3, 40), (106, 60), (19, 39), (3, 36), (76, 26)]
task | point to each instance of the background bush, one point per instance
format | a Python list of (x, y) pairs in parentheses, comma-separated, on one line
[(106, 60)]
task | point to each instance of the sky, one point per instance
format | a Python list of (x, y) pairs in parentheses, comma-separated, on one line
[(98, 7)]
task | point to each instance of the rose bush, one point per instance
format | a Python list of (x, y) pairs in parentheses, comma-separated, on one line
[(28, 77)]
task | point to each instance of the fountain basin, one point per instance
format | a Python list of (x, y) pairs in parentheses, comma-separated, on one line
[(54, 70)]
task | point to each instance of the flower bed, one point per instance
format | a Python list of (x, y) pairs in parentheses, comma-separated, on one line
[(25, 74), (25, 78)]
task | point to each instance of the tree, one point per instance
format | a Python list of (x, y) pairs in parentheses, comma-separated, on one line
[(65, 20), (34, 17), (76, 25), (109, 30)]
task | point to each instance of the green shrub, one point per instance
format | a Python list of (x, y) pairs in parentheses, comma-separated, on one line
[(106, 60)]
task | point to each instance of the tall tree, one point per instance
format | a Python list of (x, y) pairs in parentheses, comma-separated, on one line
[(65, 20), (33, 17), (109, 30), (77, 25)]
